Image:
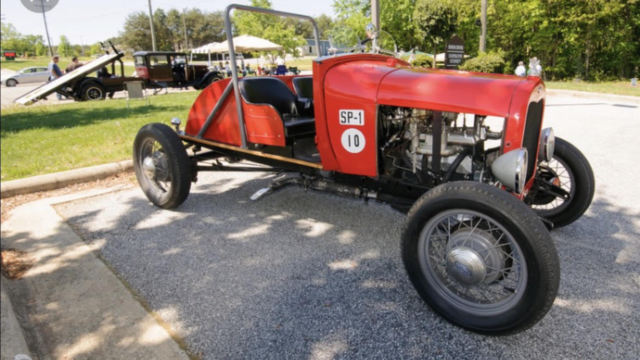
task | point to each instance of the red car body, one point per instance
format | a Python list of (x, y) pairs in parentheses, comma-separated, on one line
[(365, 81)]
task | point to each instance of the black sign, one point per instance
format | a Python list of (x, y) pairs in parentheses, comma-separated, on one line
[(454, 53)]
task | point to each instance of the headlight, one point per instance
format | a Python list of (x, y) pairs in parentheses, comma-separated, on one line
[(511, 169), (547, 144)]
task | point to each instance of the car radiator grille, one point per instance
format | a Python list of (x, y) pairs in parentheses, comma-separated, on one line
[(532, 133)]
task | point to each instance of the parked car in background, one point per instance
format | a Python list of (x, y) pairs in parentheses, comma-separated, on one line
[(28, 75)]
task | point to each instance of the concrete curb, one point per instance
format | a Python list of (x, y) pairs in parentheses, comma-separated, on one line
[(62, 179), (610, 97), (13, 344)]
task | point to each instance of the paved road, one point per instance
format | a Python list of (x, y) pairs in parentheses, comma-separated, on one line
[(309, 275)]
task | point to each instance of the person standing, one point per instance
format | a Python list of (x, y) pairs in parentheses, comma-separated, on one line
[(535, 69), (74, 65), (281, 68), (55, 72), (521, 70)]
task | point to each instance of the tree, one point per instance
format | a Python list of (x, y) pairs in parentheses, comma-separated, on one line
[(352, 17), (435, 21), (325, 24), (64, 47), (202, 28), (267, 26), (95, 49), (22, 44)]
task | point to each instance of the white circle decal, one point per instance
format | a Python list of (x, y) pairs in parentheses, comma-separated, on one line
[(353, 140)]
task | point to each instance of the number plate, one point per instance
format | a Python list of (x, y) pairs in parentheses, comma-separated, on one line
[(351, 117)]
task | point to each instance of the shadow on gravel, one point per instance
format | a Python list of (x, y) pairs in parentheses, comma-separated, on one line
[(306, 275), (73, 117), (44, 292)]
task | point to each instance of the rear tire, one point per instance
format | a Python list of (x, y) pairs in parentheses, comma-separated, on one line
[(92, 91), (11, 82), (162, 166), (571, 170), (480, 258)]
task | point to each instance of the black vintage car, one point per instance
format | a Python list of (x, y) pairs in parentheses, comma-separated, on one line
[(171, 69)]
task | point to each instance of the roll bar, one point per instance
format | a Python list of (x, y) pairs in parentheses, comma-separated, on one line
[(232, 53)]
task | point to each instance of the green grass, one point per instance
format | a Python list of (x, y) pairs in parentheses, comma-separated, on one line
[(609, 87), (19, 64), (301, 63), (45, 139)]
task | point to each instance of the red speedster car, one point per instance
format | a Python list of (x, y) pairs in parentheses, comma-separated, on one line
[(464, 153)]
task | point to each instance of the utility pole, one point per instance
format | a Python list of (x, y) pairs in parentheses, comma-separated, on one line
[(153, 33), (184, 26), (483, 24), (375, 19), (46, 29)]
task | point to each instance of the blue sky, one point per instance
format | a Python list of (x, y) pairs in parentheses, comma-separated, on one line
[(89, 21)]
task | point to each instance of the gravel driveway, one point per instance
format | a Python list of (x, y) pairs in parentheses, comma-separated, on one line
[(308, 275)]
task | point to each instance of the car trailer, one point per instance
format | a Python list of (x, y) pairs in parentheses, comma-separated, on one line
[(79, 86)]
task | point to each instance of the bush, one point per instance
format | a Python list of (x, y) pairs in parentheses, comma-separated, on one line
[(419, 60), (422, 60), (491, 62)]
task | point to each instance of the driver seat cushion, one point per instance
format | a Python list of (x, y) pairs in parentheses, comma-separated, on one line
[(274, 92)]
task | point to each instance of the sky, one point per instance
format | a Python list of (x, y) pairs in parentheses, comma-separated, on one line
[(90, 21)]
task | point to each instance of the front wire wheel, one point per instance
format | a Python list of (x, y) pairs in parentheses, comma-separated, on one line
[(480, 257), (472, 261), (162, 166)]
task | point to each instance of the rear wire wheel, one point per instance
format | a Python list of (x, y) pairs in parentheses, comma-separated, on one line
[(162, 166), (480, 257)]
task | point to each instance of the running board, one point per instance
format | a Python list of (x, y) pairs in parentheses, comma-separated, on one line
[(216, 144)]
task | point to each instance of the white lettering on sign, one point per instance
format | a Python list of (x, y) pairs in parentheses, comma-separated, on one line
[(351, 117), (353, 140)]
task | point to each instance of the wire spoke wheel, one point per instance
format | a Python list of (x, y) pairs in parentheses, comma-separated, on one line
[(480, 257), (564, 186), (473, 261), (557, 173), (155, 165), (162, 166)]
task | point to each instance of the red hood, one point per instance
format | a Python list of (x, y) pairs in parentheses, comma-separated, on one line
[(452, 90)]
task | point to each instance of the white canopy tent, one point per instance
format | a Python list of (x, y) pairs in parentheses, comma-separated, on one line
[(242, 43), (205, 49), (245, 43)]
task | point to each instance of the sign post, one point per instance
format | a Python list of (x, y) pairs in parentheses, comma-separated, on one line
[(42, 6), (454, 52)]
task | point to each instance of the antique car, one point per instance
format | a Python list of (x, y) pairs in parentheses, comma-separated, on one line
[(464, 154), (171, 69), (37, 74)]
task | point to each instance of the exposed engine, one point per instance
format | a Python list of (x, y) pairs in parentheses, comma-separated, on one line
[(407, 138)]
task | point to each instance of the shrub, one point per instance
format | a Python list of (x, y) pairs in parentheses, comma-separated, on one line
[(491, 62), (422, 60)]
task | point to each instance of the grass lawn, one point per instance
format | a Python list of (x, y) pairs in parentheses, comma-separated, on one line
[(609, 87), (19, 63), (301, 63), (45, 139)]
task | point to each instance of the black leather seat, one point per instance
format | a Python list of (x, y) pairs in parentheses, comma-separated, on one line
[(304, 90), (272, 91), (304, 87)]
